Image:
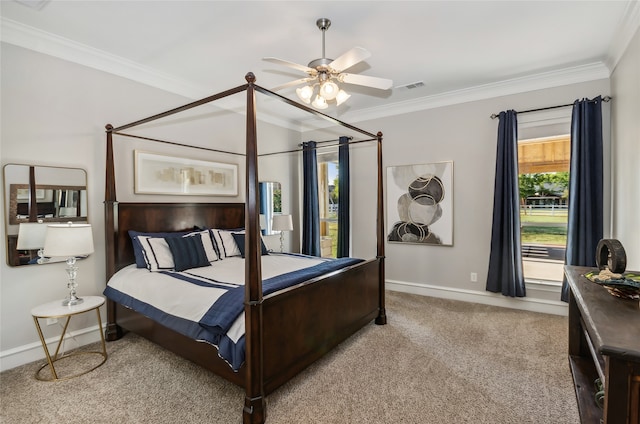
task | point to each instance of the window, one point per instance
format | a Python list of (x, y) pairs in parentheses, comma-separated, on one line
[(543, 166), (328, 201)]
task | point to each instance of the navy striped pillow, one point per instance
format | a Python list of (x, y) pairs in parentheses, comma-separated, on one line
[(239, 239), (187, 252)]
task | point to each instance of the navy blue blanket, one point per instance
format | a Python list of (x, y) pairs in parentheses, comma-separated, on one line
[(230, 305), (213, 326)]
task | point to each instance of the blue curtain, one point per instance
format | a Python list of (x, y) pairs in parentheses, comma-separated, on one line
[(343, 198), (505, 259), (584, 228), (264, 201), (310, 207)]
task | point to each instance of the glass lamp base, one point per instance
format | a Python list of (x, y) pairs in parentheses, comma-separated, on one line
[(70, 301)]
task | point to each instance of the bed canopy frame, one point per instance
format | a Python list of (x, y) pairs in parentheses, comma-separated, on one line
[(272, 356)]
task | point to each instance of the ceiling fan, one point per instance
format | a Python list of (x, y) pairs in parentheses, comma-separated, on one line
[(325, 74)]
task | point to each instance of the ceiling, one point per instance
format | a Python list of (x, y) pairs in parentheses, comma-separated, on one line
[(196, 48)]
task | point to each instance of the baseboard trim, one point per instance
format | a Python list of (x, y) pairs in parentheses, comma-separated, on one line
[(31, 352), (554, 307)]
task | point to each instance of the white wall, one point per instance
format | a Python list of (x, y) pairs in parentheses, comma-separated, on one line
[(625, 84), (54, 113), (466, 135), (282, 168)]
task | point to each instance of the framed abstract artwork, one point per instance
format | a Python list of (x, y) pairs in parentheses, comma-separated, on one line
[(23, 193), (161, 174), (420, 204)]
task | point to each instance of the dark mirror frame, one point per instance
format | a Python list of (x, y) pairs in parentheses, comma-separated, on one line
[(42, 202)]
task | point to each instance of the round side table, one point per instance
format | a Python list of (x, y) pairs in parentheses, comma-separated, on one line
[(57, 310)]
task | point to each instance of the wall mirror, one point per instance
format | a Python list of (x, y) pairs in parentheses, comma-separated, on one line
[(270, 204), (39, 194)]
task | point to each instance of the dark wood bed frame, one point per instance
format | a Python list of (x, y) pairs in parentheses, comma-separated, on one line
[(285, 331)]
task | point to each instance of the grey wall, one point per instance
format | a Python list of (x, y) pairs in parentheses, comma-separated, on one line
[(625, 84), (466, 135), (54, 113)]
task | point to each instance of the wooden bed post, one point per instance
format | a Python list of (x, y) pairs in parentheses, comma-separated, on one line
[(112, 331), (33, 201), (254, 411), (276, 347), (382, 314)]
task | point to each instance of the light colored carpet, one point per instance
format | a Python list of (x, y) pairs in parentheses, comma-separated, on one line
[(437, 361)]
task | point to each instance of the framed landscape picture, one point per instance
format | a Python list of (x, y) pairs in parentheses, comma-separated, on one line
[(420, 204), (161, 174)]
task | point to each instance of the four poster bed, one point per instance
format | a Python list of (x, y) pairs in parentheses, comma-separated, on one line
[(287, 327)]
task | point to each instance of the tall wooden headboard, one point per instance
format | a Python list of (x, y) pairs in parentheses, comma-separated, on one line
[(164, 217)]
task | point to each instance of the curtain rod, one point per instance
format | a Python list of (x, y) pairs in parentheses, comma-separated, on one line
[(327, 141), (320, 147), (494, 116)]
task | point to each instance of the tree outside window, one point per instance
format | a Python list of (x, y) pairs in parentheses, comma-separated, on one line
[(544, 188)]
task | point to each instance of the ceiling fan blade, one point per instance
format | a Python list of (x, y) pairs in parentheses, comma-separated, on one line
[(291, 84), (375, 82), (350, 58), (289, 64)]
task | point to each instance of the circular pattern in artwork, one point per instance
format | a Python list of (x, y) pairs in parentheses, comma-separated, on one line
[(419, 208), (418, 211), (407, 232), (427, 189)]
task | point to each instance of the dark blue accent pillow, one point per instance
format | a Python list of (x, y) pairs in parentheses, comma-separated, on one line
[(239, 238), (187, 252), (137, 247)]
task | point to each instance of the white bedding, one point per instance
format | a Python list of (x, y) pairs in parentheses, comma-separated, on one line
[(189, 301)]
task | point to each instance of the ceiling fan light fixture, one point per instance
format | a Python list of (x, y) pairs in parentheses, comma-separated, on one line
[(342, 97), (328, 74), (319, 102), (329, 90), (305, 93)]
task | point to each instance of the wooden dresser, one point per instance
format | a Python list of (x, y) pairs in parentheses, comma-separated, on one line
[(604, 341)]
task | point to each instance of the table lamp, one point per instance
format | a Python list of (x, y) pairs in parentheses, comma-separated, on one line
[(71, 241), (282, 223), (31, 237)]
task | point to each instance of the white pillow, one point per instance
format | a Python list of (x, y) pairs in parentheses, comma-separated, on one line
[(226, 243), (157, 254)]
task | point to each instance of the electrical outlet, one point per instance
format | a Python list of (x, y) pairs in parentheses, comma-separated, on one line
[(51, 321), (474, 277)]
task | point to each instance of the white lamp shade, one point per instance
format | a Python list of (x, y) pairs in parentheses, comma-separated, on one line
[(342, 97), (320, 102), (282, 223), (31, 235), (68, 240), (305, 93), (329, 90)]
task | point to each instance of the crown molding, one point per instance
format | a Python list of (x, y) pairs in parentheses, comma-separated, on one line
[(572, 75), (626, 30), (43, 42)]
